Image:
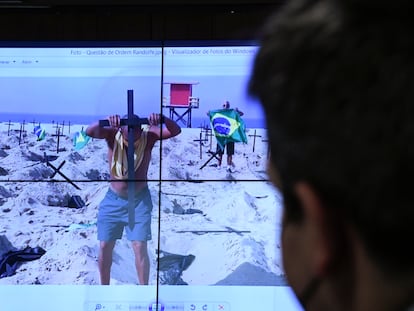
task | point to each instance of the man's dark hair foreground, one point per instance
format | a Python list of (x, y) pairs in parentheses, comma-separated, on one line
[(336, 80)]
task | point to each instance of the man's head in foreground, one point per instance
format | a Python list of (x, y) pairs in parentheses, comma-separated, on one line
[(336, 80)]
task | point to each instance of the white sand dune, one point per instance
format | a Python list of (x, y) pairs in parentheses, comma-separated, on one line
[(228, 222)]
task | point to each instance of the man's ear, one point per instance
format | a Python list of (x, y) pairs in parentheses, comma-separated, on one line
[(319, 228)]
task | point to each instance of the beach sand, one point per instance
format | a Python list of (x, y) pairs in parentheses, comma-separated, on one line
[(224, 226)]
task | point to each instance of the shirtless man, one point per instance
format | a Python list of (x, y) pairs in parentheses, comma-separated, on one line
[(113, 210)]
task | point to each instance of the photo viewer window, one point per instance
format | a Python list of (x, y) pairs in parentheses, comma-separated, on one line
[(215, 229)]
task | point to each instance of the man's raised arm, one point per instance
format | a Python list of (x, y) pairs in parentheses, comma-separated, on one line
[(173, 128), (96, 131), (170, 129)]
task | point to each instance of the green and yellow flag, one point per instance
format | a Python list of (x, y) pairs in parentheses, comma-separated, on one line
[(80, 139), (39, 132), (227, 126)]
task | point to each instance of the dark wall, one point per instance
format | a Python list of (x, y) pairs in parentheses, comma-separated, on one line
[(174, 22)]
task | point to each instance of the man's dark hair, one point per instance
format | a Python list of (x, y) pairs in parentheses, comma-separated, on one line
[(134, 117), (336, 80)]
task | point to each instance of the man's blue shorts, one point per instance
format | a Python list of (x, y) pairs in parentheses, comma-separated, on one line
[(113, 217)]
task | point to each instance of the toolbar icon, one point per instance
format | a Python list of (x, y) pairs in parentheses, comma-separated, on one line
[(156, 307)]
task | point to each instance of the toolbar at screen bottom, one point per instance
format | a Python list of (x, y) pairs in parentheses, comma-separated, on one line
[(160, 306)]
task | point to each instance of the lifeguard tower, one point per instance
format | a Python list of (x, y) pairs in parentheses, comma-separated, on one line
[(180, 101)]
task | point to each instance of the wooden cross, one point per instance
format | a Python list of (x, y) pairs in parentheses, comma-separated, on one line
[(201, 140), (57, 171), (63, 126), (131, 122), (254, 139), (214, 155), (58, 134), (208, 134), (21, 131), (57, 127), (8, 128)]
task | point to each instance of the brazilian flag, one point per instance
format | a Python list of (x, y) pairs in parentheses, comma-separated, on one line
[(227, 126), (39, 132), (80, 139)]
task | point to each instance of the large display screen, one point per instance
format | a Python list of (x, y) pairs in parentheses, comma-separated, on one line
[(215, 241)]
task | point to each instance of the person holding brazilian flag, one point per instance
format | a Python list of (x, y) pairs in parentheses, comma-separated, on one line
[(228, 128)]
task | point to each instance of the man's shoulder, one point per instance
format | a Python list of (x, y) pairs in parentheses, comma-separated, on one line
[(152, 134)]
